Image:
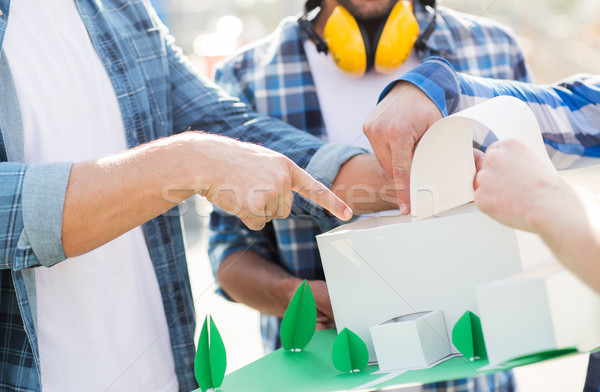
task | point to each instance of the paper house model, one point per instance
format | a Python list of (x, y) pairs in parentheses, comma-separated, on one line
[(388, 266), (540, 310), (411, 341)]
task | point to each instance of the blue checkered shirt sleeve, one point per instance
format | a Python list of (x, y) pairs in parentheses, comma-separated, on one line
[(568, 112)]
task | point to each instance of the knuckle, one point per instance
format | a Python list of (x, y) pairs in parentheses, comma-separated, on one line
[(285, 212), (286, 181), (254, 223), (369, 127)]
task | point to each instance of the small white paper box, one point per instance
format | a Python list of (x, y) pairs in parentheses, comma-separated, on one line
[(384, 266), (411, 341), (544, 309)]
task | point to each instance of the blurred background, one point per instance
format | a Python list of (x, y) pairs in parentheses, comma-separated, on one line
[(559, 38)]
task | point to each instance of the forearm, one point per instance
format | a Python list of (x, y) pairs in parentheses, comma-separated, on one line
[(364, 185), (251, 279), (569, 223), (200, 104), (110, 196), (568, 111)]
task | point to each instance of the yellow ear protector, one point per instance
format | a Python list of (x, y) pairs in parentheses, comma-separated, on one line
[(353, 51)]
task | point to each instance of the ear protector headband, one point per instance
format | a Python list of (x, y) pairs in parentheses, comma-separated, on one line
[(353, 51)]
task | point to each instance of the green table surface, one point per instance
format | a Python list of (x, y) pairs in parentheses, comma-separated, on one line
[(312, 370)]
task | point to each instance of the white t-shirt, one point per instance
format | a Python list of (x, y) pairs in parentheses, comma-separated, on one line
[(101, 323), (345, 100)]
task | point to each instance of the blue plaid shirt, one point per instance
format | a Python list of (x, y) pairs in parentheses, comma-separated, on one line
[(273, 76), (568, 111), (159, 94)]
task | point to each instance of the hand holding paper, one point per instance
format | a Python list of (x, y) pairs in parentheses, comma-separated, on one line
[(394, 128), (513, 185), (518, 190), (448, 247), (443, 167)]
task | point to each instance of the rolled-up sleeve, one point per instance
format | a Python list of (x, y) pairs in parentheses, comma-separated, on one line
[(44, 189), (32, 202)]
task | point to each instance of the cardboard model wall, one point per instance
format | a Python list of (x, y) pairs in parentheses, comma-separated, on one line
[(541, 310), (387, 267)]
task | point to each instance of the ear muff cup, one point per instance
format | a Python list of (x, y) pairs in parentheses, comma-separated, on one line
[(345, 41), (397, 38), (350, 46)]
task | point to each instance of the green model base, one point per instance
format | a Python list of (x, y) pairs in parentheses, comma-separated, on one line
[(312, 370)]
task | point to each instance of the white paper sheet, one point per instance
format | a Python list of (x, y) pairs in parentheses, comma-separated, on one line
[(443, 167)]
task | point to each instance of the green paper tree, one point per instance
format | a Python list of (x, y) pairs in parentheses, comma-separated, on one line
[(349, 353), (211, 358), (300, 320), (467, 336)]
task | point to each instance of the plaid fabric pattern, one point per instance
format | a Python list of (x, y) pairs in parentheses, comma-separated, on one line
[(16, 356), (273, 77), (568, 112), (159, 94)]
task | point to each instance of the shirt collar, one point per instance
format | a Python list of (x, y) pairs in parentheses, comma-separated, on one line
[(441, 39)]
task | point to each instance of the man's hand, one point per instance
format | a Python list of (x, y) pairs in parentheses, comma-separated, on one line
[(364, 185), (256, 183), (325, 318), (265, 286), (394, 128), (319, 290), (517, 189), (109, 196), (513, 185)]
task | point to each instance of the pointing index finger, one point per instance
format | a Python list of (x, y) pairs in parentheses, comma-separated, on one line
[(307, 186)]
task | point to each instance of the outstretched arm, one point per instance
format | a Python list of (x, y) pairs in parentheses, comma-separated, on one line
[(263, 285), (121, 192), (568, 113), (91, 203), (518, 190)]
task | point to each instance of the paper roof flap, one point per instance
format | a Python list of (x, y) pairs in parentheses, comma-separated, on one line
[(509, 118), (443, 167)]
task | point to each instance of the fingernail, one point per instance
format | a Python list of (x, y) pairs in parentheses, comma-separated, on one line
[(403, 209), (348, 213)]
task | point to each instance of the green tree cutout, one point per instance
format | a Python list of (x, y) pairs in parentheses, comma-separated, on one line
[(349, 352), (467, 337), (300, 320), (211, 358)]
